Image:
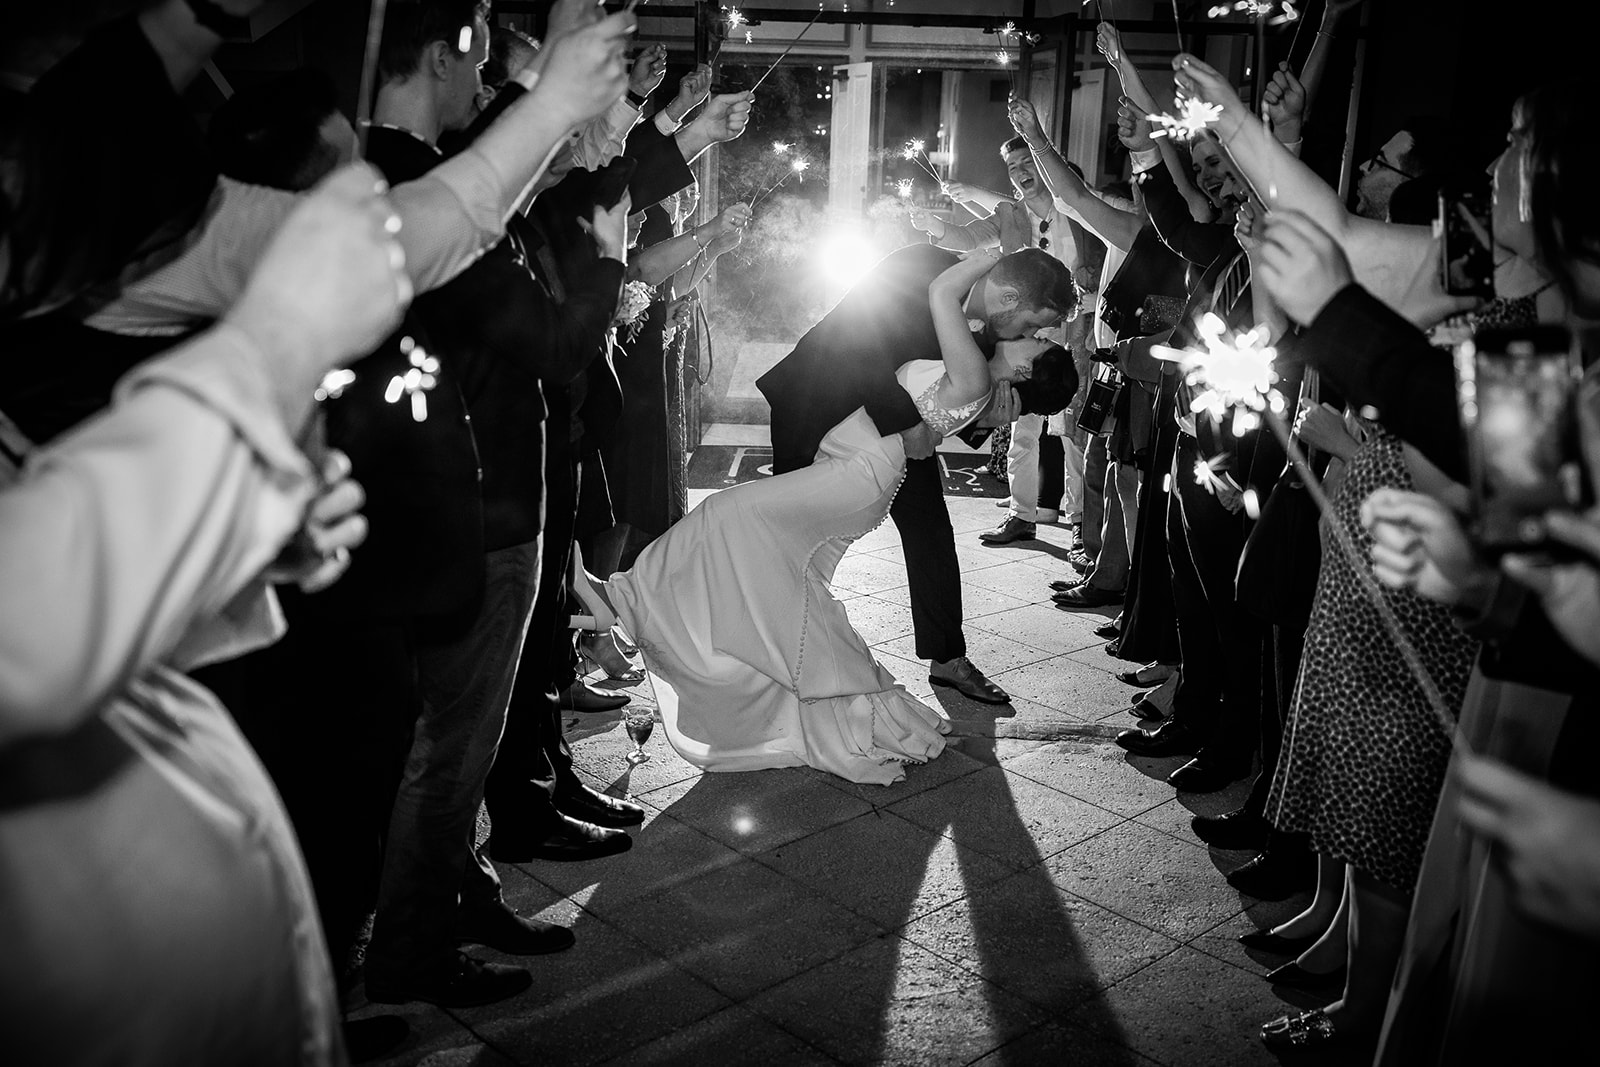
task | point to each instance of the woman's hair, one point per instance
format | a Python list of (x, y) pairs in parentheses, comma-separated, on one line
[(1562, 175), (1053, 385)]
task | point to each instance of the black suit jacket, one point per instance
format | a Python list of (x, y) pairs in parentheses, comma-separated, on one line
[(849, 359)]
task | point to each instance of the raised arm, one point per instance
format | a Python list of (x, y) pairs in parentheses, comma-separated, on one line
[(979, 233), (962, 193), (661, 261), (1111, 224), (1397, 264), (963, 360)]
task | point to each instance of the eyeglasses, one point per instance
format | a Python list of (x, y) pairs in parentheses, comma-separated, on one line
[(1379, 161), (1044, 241)]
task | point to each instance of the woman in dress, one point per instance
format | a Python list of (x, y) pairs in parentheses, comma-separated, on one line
[(755, 662)]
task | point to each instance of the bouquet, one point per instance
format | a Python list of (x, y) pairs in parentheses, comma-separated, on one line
[(633, 306)]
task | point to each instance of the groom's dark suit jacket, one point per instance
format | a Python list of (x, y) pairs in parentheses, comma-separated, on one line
[(848, 359)]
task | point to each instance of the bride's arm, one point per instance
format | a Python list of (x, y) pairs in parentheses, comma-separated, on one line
[(964, 364)]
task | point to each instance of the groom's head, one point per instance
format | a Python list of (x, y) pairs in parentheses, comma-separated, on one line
[(1025, 292)]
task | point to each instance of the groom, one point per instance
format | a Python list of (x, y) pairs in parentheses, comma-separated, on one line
[(848, 360)]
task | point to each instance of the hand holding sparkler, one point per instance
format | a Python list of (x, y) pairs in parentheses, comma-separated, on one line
[(924, 220), (1418, 544), (319, 553), (1300, 265), (730, 221), (1025, 120), (1202, 86), (725, 117), (569, 15), (1133, 128), (693, 87), (585, 72), (1322, 426), (649, 67), (1284, 103)]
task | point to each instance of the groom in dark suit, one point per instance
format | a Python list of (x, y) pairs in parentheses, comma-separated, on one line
[(848, 360)]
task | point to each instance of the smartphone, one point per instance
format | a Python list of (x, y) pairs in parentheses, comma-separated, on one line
[(1518, 395), (1466, 245)]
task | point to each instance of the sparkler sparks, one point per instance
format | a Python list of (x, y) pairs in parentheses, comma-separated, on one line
[(780, 148), (1234, 373), (1193, 116), (417, 382), (916, 150), (735, 18), (904, 186)]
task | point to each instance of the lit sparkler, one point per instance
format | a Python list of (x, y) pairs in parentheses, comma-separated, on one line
[(334, 384), (735, 18), (916, 150), (798, 166), (417, 382), (1193, 116), (1234, 373), (904, 186), (780, 148)]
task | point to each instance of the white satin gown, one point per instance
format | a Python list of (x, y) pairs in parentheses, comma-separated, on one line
[(755, 663)]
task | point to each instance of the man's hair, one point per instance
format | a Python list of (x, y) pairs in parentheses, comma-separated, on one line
[(1053, 385), (1040, 279), (1436, 146), (504, 42), (1016, 144), (271, 133), (410, 26)]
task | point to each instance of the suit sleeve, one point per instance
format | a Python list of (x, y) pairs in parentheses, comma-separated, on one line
[(1377, 359), (1198, 242), (661, 169)]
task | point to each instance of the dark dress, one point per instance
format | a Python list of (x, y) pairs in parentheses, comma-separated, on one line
[(1364, 755)]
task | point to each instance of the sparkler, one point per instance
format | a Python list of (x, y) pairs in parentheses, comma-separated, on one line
[(799, 166), (1236, 372), (916, 150), (417, 381), (1193, 116), (369, 74), (1177, 24), (904, 186), (804, 30)]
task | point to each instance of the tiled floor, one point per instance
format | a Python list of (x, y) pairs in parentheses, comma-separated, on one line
[(1031, 896)]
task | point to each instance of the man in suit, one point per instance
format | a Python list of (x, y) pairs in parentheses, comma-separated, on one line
[(848, 361)]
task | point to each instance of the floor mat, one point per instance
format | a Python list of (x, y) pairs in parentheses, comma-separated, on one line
[(719, 466)]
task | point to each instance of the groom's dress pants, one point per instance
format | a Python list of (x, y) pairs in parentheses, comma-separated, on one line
[(923, 519)]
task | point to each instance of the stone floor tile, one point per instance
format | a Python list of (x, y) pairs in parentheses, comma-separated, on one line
[(1064, 1046), (752, 811), (1014, 579), (1047, 628), (1060, 683), (977, 598), (602, 763), (1170, 818), (1029, 936), (433, 1033), (607, 994), (1093, 771), (665, 852), (1008, 818), (1192, 1010), (862, 573), (950, 764), (885, 868), (889, 1002), (885, 536), (733, 1037), (743, 927), (1149, 877), (976, 557), (912, 674), (1222, 940), (878, 620)]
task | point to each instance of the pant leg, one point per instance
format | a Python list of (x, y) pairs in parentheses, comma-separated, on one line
[(1200, 687), (466, 683), (923, 519), (1072, 479), (1111, 565), (1128, 479), (1022, 466), (1094, 497), (1052, 471)]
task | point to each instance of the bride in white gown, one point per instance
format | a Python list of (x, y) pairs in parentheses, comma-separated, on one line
[(754, 661)]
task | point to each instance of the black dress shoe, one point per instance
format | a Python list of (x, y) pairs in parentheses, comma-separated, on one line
[(581, 696), (1013, 529), (1233, 829), (969, 681), (499, 927), (1062, 586), (586, 805), (570, 841), (1294, 976), (1198, 776), (465, 983), (377, 1035), (1275, 875), (1267, 941), (1169, 739), (1086, 596), (1108, 630), (1145, 708)]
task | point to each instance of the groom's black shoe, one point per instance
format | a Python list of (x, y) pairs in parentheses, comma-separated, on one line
[(969, 681)]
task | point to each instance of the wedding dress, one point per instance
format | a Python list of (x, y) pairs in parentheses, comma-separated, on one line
[(754, 661)]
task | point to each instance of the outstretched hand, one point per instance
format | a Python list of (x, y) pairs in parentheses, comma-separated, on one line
[(1133, 128), (1202, 81), (1419, 544), (1300, 264), (1285, 101), (1025, 120)]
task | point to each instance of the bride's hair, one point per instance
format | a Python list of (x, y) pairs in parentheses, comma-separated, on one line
[(1053, 385), (1040, 279)]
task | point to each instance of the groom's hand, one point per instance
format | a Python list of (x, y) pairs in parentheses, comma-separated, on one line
[(920, 441), (1003, 409)]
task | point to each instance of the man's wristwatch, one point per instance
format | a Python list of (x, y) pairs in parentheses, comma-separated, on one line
[(636, 100), (211, 15)]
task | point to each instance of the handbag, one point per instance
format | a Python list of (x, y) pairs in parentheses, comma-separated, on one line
[(1282, 557)]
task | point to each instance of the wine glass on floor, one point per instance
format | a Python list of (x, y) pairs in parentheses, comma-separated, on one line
[(640, 724)]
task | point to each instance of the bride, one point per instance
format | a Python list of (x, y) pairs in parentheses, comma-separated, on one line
[(755, 663)]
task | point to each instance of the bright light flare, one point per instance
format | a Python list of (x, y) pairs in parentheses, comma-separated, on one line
[(843, 256), (334, 384), (417, 381), (1193, 116), (1234, 373), (800, 166)]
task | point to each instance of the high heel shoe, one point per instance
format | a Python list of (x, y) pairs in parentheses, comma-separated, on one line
[(1267, 941), (600, 616), (1294, 976), (600, 652)]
